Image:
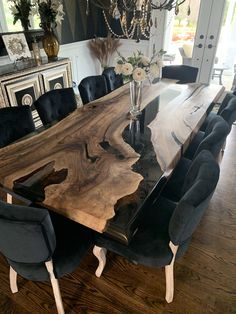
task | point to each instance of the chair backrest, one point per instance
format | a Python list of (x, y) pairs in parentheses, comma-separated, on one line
[(113, 80), (183, 73), (229, 112), (186, 60), (15, 122), (215, 134), (225, 102), (198, 188), (92, 87), (26, 233), (55, 105)]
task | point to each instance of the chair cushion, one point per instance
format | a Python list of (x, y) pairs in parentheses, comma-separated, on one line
[(150, 245), (72, 242)]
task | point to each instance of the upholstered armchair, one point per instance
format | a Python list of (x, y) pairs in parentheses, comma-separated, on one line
[(183, 73), (113, 80), (212, 139), (55, 105), (40, 246), (166, 229), (92, 87), (15, 123)]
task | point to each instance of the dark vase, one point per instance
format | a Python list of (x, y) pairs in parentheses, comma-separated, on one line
[(50, 45), (25, 24)]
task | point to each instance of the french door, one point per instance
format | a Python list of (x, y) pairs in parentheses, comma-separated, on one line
[(206, 37), (202, 44)]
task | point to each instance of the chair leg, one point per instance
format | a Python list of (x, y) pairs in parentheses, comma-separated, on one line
[(169, 273), (55, 288), (100, 253), (9, 198), (13, 280), (223, 147)]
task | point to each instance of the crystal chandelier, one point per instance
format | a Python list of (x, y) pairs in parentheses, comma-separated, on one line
[(134, 16)]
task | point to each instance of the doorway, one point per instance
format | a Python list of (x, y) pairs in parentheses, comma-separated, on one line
[(194, 35)]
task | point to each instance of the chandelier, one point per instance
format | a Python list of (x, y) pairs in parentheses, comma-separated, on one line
[(134, 16)]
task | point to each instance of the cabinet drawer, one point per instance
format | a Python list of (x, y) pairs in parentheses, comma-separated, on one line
[(55, 78), (23, 91)]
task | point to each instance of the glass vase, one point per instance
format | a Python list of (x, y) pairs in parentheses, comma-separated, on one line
[(50, 45), (135, 98)]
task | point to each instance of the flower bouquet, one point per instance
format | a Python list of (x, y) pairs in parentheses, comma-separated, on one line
[(21, 9), (51, 13), (135, 69)]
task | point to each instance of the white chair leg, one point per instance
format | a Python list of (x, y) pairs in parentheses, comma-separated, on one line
[(169, 273), (100, 253), (13, 280), (9, 198), (55, 288), (223, 147)]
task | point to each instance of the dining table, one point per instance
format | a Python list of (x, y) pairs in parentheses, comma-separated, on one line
[(102, 167)]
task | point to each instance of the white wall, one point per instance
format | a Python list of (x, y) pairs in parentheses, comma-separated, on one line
[(83, 64)]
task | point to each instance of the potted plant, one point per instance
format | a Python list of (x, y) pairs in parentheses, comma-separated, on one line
[(21, 10), (51, 13)]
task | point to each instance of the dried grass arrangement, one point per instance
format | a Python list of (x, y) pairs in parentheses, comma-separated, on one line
[(103, 49)]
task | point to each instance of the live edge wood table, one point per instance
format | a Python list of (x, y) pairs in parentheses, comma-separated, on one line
[(101, 168)]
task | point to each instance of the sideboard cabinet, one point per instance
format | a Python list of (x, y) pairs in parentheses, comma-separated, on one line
[(23, 83)]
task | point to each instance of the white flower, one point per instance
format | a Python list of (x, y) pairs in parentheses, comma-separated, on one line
[(60, 9), (127, 69), (59, 18), (154, 69), (118, 68), (34, 11), (145, 61), (139, 74)]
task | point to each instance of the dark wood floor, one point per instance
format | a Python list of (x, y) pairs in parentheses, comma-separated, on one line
[(205, 277)]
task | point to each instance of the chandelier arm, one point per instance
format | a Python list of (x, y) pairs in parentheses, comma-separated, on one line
[(126, 8)]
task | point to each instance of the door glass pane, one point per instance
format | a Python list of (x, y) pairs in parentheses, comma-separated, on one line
[(224, 71), (181, 32)]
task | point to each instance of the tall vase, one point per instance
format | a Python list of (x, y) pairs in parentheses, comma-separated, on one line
[(50, 45), (135, 98)]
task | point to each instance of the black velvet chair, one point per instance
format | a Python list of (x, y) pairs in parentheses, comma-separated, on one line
[(229, 113), (113, 80), (167, 227), (55, 105), (15, 122), (212, 139), (183, 73), (92, 87), (41, 246)]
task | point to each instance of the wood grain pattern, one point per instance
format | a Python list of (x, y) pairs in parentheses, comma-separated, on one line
[(179, 120), (73, 174), (86, 177)]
